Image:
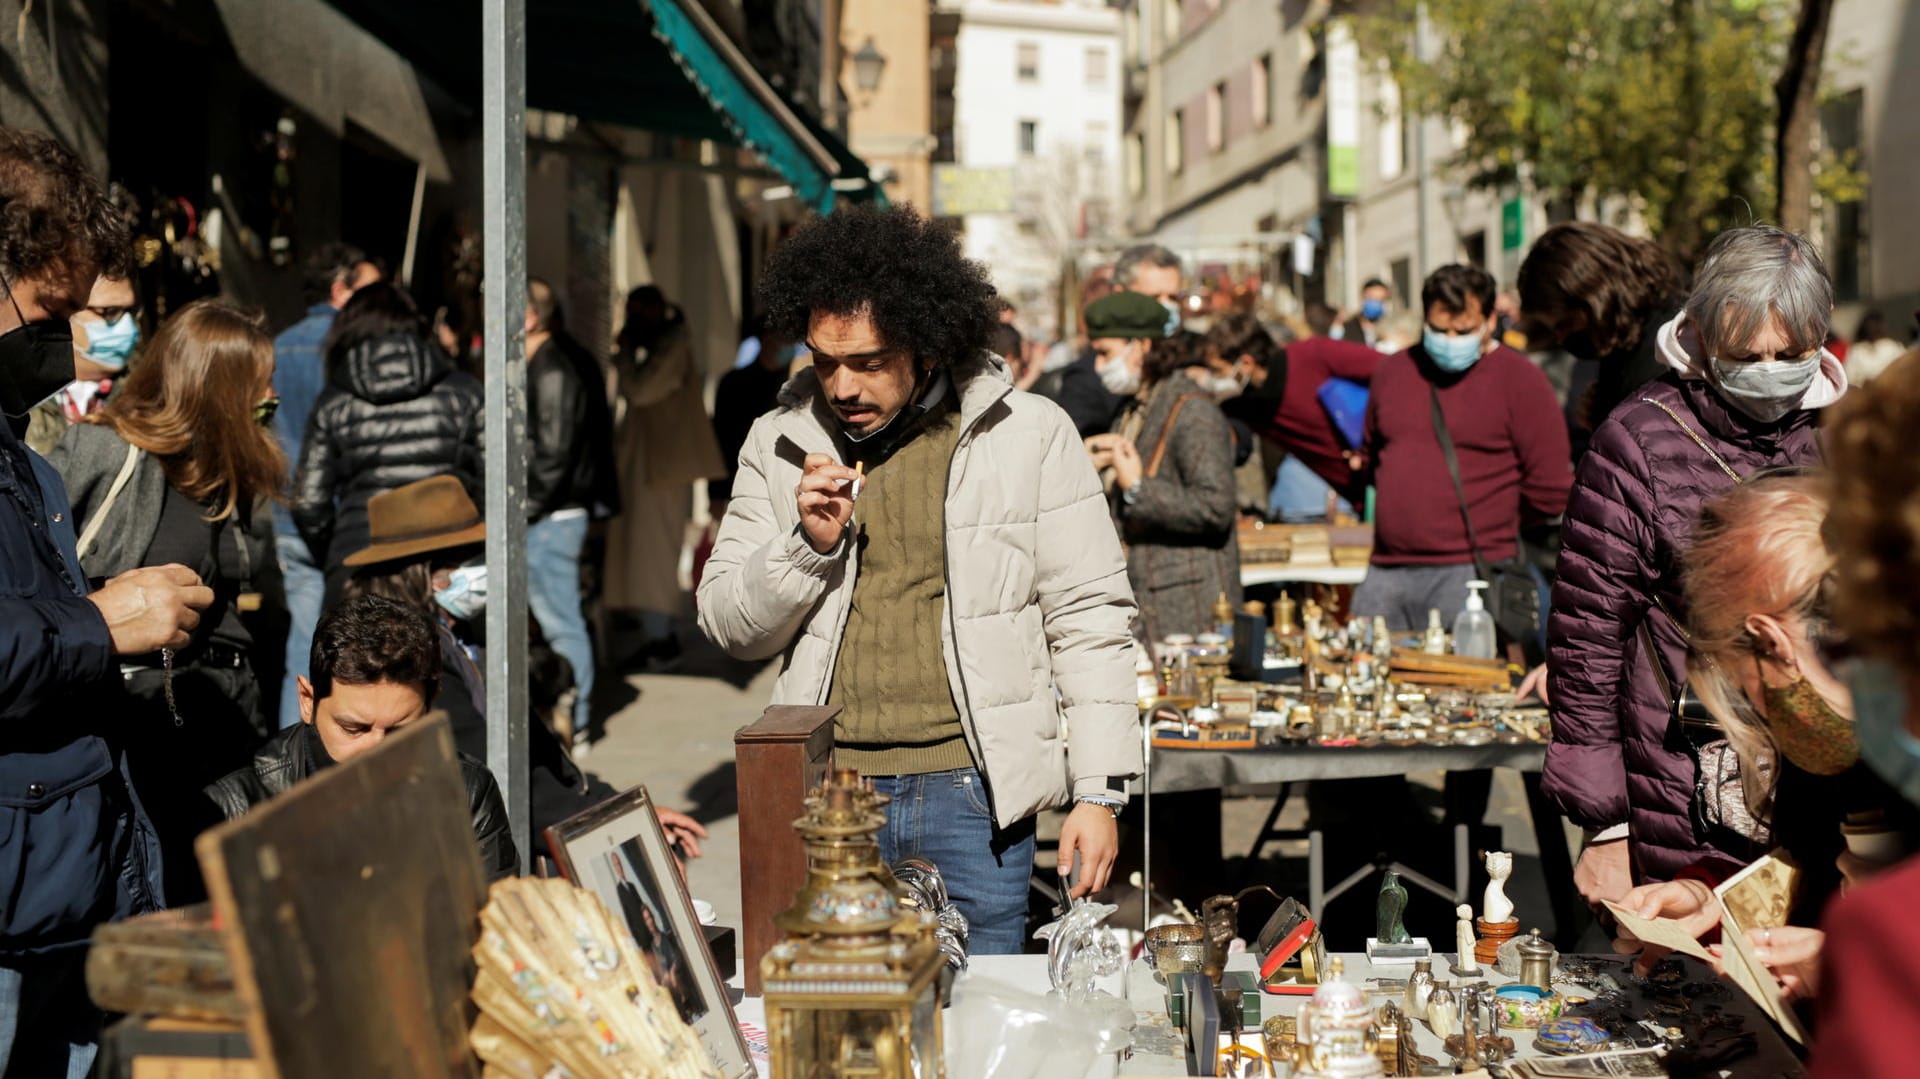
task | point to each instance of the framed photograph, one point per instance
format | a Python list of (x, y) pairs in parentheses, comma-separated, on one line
[(617, 851)]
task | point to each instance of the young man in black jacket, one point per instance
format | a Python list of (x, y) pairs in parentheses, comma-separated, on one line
[(375, 668), (570, 484)]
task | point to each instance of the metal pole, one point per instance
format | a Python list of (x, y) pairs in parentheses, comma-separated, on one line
[(503, 49), (1421, 270)]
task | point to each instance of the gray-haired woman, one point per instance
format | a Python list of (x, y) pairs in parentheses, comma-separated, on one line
[(1747, 374)]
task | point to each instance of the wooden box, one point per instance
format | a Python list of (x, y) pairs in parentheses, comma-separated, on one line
[(777, 759), (147, 1048)]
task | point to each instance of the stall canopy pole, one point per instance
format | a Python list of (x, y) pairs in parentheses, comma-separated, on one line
[(503, 50)]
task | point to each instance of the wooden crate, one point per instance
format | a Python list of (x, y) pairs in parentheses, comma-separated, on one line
[(777, 759)]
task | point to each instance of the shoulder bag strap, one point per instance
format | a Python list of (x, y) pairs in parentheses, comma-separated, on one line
[(1697, 440), (99, 520), (1453, 469), (1166, 432)]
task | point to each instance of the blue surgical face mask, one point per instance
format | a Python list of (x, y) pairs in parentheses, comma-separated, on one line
[(465, 596), (110, 344), (1449, 353), (1880, 723), (1372, 310), (1173, 316)]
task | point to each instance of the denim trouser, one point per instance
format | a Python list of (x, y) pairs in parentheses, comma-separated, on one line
[(1299, 495), (48, 1027), (553, 592), (306, 587), (1404, 594), (944, 818)]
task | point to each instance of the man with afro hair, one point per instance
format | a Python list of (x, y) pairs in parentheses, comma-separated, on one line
[(928, 550)]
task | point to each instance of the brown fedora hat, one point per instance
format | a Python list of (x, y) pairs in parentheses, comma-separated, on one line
[(428, 515)]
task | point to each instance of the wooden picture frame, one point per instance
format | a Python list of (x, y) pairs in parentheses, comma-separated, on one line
[(618, 851)]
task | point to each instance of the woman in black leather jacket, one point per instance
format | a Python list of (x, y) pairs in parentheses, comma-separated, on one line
[(395, 410)]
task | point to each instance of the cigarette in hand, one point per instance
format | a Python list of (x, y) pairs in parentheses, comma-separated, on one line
[(859, 477)]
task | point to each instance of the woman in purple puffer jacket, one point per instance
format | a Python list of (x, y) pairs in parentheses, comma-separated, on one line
[(1747, 376)]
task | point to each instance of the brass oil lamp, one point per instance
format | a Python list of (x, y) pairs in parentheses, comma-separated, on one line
[(855, 991)]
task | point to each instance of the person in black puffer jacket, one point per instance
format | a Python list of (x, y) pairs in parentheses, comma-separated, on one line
[(395, 410)]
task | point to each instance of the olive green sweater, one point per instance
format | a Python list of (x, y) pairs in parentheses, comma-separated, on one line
[(897, 715)]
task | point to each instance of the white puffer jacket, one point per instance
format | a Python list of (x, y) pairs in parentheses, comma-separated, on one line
[(1037, 594)]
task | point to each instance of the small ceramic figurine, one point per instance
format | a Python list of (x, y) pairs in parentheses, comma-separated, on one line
[(1497, 908), (1382, 641), (1419, 987), (1434, 642), (1443, 1010), (1388, 927), (1463, 941)]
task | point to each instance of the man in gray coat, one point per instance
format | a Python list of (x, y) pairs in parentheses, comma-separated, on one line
[(928, 550)]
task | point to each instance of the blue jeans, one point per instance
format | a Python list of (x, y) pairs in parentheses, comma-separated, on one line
[(553, 591), (1299, 495), (306, 587), (1404, 595), (944, 818), (48, 1027)]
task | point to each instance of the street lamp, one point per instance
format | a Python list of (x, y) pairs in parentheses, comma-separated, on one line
[(868, 64)]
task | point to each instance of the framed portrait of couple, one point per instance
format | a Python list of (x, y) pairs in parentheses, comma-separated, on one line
[(618, 851)]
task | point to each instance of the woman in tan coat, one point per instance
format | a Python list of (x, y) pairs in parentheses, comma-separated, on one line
[(665, 446)]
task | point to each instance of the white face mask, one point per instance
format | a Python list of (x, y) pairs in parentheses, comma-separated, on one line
[(1227, 387), (1765, 389), (1119, 376), (465, 596)]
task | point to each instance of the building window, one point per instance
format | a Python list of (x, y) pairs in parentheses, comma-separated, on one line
[(1262, 93), (1845, 225), (1137, 165), (1029, 137), (1177, 142), (1094, 150), (1473, 247), (1027, 62), (1401, 271), (1393, 129), (1097, 65), (1217, 118)]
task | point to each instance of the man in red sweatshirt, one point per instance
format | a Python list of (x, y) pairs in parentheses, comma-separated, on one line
[(1277, 392), (1508, 435)]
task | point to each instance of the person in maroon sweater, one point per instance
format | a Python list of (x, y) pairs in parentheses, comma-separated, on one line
[(1507, 433), (1279, 396)]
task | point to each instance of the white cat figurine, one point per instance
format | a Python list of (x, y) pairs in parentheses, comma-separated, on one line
[(1498, 908)]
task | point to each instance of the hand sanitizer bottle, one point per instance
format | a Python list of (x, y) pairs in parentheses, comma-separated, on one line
[(1473, 628)]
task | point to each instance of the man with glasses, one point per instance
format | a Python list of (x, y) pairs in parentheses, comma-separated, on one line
[(930, 552)]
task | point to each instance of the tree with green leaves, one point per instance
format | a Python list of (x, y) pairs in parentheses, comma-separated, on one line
[(1663, 107)]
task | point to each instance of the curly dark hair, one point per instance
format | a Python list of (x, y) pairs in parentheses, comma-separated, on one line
[(56, 219), (1617, 281), (1171, 355), (904, 271)]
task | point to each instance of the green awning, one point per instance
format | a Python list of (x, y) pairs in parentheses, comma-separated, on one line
[(653, 65)]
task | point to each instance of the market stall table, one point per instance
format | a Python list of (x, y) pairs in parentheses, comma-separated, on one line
[(1158, 1049), (1176, 770)]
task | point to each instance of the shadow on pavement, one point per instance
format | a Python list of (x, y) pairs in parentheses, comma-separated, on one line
[(714, 795)]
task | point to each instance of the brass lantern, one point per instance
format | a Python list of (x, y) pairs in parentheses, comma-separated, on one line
[(854, 992)]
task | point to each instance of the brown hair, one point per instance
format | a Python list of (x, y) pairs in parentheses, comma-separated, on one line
[(190, 403), (1872, 525), (1758, 550), (1617, 281), (1171, 355), (56, 219)]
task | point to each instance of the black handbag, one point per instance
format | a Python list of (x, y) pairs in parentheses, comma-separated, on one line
[(1513, 586)]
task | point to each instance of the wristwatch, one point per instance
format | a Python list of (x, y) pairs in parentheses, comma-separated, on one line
[(1113, 796)]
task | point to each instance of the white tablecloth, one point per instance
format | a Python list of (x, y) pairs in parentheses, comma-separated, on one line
[(1156, 1051)]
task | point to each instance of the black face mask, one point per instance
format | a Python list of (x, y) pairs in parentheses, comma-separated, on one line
[(36, 359)]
